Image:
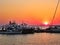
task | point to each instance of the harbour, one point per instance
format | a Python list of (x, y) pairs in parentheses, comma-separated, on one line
[(29, 22), (14, 28)]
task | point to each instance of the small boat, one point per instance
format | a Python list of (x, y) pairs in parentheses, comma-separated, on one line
[(54, 29)]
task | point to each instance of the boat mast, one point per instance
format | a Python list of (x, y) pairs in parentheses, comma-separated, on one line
[(55, 12)]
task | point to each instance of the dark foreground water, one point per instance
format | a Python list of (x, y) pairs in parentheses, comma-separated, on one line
[(31, 39)]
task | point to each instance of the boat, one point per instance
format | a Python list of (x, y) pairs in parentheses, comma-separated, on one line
[(53, 29), (13, 28)]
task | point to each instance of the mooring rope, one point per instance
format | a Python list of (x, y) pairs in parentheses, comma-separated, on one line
[(55, 12)]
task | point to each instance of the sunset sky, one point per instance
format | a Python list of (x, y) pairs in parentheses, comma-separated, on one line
[(29, 11)]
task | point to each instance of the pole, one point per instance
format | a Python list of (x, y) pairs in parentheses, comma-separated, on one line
[(55, 12)]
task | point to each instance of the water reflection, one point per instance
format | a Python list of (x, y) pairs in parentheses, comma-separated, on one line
[(30, 39)]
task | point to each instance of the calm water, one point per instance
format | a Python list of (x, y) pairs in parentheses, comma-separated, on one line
[(31, 39)]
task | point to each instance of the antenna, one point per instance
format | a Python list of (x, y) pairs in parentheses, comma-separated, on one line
[(55, 12)]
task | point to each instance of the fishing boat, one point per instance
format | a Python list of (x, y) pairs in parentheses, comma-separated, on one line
[(13, 28)]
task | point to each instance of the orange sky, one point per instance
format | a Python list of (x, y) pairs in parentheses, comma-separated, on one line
[(29, 11)]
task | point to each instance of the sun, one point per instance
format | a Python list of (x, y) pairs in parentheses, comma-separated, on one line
[(46, 23)]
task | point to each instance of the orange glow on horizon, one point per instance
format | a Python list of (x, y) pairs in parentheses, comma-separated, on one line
[(29, 11)]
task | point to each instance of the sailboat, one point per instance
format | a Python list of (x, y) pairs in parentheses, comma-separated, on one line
[(54, 28)]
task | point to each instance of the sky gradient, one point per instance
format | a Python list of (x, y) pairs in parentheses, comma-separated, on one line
[(29, 11)]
